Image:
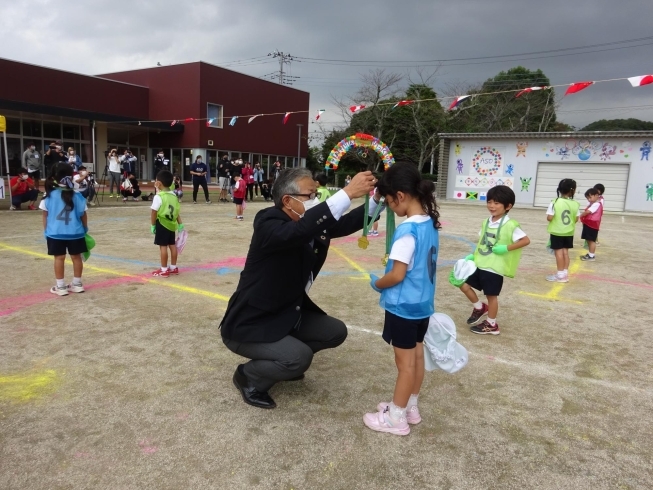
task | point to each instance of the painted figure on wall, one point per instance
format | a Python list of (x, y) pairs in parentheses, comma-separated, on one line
[(525, 183), (608, 151), (459, 165), (563, 152), (649, 192), (510, 168), (646, 150), (521, 148), (457, 149)]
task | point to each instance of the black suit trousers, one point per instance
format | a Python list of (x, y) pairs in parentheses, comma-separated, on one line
[(292, 355)]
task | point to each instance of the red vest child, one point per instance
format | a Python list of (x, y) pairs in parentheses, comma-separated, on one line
[(593, 220), (240, 192)]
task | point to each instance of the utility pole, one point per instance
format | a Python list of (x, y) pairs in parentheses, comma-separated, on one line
[(284, 59)]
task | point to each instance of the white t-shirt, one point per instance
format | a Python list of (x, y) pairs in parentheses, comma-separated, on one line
[(551, 212), (403, 249), (594, 207), (114, 166), (43, 206), (517, 233), (80, 182), (157, 202)]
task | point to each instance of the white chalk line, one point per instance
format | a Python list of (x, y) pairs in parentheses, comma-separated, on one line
[(538, 369)]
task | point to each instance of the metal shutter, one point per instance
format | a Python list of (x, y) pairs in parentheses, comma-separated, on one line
[(614, 177)]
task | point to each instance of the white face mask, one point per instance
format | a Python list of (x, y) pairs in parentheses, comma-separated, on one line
[(23, 177), (310, 204), (32, 148)]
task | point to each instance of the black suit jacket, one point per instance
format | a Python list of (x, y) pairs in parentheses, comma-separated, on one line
[(271, 293)]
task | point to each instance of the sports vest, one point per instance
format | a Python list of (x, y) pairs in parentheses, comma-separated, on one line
[(413, 298), (323, 194), (241, 191), (62, 222), (564, 219), (593, 220), (169, 210), (505, 265)]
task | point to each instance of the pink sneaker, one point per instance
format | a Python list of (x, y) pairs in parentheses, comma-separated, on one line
[(173, 271), (412, 413), (381, 422)]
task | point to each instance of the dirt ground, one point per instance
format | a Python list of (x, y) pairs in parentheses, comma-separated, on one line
[(128, 385)]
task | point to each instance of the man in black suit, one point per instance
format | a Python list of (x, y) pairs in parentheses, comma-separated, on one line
[(270, 319)]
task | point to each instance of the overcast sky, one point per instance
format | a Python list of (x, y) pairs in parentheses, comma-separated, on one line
[(100, 36)]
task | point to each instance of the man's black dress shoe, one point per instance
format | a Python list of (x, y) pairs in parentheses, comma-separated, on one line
[(251, 395)]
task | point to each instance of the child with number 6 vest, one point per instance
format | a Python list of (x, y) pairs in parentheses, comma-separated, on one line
[(165, 221), (496, 256), (64, 222), (562, 215), (591, 219)]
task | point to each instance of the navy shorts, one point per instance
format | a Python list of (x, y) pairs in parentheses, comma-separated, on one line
[(404, 333), (163, 236), (486, 281), (238, 200), (558, 242), (589, 233), (59, 247)]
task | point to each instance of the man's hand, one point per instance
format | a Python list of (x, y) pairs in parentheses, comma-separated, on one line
[(360, 185)]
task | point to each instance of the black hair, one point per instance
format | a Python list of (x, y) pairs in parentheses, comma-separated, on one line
[(22, 170), (165, 177), (321, 179), (404, 177), (600, 188), (59, 172), (592, 192), (566, 187), (502, 194), (198, 157)]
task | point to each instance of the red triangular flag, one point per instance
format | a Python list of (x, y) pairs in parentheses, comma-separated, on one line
[(402, 103), (286, 117), (529, 89), (356, 108), (577, 87), (639, 81), (458, 100), (188, 119)]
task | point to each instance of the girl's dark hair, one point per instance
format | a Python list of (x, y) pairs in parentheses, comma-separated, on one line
[(59, 172), (592, 192), (600, 188), (565, 187), (404, 177)]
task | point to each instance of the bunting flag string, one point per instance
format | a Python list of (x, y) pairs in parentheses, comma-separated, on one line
[(209, 122), (572, 88)]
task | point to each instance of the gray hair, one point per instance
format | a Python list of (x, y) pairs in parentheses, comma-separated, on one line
[(287, 183)]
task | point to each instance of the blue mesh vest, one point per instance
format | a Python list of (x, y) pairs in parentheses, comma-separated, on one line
[(63, 223), (414, 297)]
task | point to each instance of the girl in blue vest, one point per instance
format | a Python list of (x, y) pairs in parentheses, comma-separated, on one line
[(64, 221), (407, 291)]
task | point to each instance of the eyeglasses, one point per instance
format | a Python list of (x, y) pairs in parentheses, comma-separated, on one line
[(310, 196)]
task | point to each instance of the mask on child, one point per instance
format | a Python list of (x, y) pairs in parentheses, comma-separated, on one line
[(23, 176)]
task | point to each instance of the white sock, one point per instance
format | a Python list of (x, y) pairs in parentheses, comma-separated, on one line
[(566, 272), (172, 267), (492, 321), (591, 254), (396, 412), (77, 281), (60, 283), (412, 401), (478, 305), (560, 273), (163, 269)]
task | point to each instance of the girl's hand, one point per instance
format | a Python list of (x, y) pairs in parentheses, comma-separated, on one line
[(373, 279)]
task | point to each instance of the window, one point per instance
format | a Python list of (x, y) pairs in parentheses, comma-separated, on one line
[(70, 132), (214, 111), (32, 128), (52, 130), (13, 126)]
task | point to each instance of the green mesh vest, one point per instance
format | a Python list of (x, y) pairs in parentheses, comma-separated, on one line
[(169, 210), (505, 265), (564, 219)]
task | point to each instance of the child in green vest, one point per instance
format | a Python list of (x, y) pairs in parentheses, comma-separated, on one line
[(497, 255), (322, 192), (165, 221), (562, 215)]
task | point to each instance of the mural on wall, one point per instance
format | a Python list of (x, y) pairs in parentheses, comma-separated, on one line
[(487, 161), (482, 182), (457, 149), (608, 151), (646, 150), (510, 168), (649, 192), (470, 195), (459, 165), (525, 183), (584, 149), (521, 148)]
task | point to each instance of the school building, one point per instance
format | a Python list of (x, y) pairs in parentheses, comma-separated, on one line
[(533, 164), (134, 109)]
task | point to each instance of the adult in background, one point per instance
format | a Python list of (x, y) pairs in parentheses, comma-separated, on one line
[(270, 319), (161, 163), (258, 178), (52, 156), (248, 178), (23, 190), (114, 172), (74, 159), (32, 162), (223, 177), (130, 188), (128, 162), (199, 170), (276, 170), (84, 184)]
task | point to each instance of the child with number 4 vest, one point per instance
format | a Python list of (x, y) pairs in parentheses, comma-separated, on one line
[(64, 222), (591, 219), (562, 215), (496, 256), (165, 222)]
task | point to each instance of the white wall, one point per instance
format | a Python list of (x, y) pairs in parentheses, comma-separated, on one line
[(517, 162)]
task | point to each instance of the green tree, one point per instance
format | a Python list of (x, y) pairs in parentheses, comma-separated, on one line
[(619, 125)]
